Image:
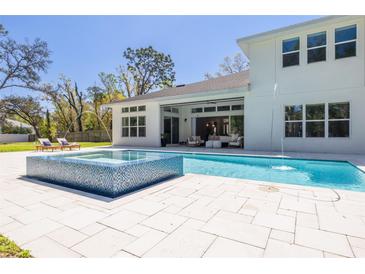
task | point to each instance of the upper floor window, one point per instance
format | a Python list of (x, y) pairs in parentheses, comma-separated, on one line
[(345, 41), (316, 47), (291, 52), (133, 109), (126, 109)]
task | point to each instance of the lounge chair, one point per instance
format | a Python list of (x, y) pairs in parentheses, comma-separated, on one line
[(65, 144), (45, 144)]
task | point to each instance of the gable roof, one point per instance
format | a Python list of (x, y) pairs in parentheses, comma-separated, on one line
[(232, 81)]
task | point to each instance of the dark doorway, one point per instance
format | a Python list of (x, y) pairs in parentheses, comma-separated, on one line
[(206, 126), (171, 130)]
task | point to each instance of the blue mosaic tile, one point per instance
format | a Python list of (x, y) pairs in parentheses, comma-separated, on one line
[(107, 179)]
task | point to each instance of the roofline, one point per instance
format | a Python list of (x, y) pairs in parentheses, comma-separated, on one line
[(290, 27), (172, 97)]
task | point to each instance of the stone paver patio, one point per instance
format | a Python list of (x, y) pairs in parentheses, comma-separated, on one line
[(192, 216)]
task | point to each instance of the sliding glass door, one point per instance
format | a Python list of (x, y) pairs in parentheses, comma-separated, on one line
[(171, 129)]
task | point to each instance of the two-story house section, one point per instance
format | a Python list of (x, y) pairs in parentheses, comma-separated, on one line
[(305, 91), (307, 87)]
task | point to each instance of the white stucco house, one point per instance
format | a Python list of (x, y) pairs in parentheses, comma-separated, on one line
[(305, 89)]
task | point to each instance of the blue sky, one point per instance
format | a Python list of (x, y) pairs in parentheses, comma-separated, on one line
[(83, 46)]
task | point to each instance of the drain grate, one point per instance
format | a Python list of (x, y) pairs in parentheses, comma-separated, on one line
[(269, 189)]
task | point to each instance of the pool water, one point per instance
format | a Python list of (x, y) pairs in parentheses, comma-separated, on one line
[(330, 174)]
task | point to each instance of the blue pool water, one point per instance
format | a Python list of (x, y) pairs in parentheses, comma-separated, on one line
[(115, 172), (330, 174)]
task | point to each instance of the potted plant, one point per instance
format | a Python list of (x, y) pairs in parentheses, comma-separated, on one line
[(163, 139)]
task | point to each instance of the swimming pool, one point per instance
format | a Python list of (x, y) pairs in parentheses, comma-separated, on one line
[(319, 173)]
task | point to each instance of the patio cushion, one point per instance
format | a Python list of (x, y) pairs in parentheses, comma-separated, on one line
[(47, 143), (64, 143)]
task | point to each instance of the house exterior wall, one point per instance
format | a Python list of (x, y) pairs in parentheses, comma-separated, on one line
[(152, 115), (341, 80)]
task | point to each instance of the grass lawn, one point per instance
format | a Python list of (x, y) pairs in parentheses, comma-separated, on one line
[(8, 249), (29, 146)]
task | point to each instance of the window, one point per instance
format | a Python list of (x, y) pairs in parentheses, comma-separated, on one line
[(237, 107), (223, 108), (126, 109), (237, 125), (167, 109), (125, 126), (339, 119), (133, 109), (345, 41), (196, 110), (142, 126), (142, 108), (315, 120), (290, 52), (174, 110), (133, 126), (209, 109), (316, 47), (294, 121)]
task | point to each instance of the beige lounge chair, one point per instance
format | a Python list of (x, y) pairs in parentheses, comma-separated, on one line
[(65, 144), (46, 144)]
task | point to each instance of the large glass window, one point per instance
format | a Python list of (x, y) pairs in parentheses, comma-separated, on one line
[(237, 125), (339, 119), (125, 126), (345, 41), (134, 126), (315, 120), (290, 52), (294, 121), (142, 126), (316, 47)]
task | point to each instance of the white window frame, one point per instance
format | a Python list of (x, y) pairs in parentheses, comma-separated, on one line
[(289, 52), (295, 121), (326, 120), (316, 120), (137, 126), (345, 42), (317, 47), (336, 120)]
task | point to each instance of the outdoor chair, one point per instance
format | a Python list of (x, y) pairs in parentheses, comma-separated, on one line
[(45, 144), (194, 141), (65, 144), (236, 142)]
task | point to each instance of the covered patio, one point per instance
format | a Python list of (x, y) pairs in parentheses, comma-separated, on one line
[(209, 123)]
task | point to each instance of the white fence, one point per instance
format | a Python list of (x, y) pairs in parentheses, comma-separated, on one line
[(13, 138)]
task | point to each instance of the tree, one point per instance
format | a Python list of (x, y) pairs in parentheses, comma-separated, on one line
[(22, 63), (3, 31), (230, 65), (106, 93), (69, 103), (145, 69), (26, 108)]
